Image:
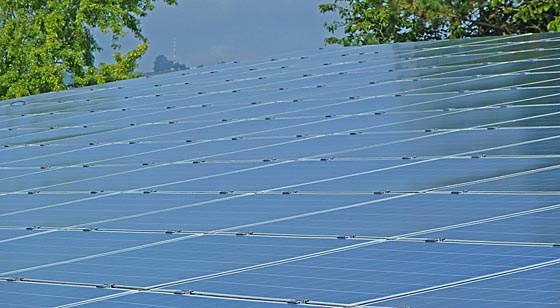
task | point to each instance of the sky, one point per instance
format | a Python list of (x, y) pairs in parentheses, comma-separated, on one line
[(211, 31)]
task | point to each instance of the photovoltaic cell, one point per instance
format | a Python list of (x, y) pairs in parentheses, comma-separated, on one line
[(534, 288), (43, 295), (166, 300), (376, 271), (82, 209), (400, 215), (53, 247), (240, 214), (10, 234), (539, 227), (537, 182), (181, 259)]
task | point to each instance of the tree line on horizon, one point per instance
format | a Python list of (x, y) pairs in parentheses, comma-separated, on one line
[(163, 65), (366, 22)]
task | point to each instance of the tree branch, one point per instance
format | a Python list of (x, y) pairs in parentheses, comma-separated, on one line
[(492, 26)]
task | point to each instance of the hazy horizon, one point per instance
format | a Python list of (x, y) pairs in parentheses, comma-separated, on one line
[(211, 31)]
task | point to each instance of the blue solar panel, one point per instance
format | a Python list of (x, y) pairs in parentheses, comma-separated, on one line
[(375, 271), (544, 181), (7, 235), (535, 288), (46, 295), (418, 174), (48, 248), (175, 259), (170, 301), (539, 227), (399, 214), (239, 213), (66, 209)]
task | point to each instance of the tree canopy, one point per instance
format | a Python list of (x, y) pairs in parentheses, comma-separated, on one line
[(162, 64), (44, 41), (366, 22)]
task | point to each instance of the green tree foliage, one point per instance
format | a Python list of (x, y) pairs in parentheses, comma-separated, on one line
[(42, 41), (367, 22), (162, 64)]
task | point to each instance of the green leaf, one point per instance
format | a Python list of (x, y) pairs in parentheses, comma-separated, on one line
[(384, 21), (43, 41)]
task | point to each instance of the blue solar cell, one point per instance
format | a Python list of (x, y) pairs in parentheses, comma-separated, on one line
[(191, 257), (540, 227), (220, 128), (283, 175), (7, 234), (140, 152), (242, 214), (434, 142), (25, 202), (465, 119), (55, 134), (310, 145), (27, 155), (419, 214), (48, 247), (14, 294), (541, 181), (83, 209), (8, 174), (534, 288), (6, 133), (170, 301), (375, 271), (546, 147), (429, 174)]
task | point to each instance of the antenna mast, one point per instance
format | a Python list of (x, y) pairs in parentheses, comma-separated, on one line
[(174, 49)]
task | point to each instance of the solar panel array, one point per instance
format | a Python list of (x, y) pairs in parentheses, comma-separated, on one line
[(422, 175)]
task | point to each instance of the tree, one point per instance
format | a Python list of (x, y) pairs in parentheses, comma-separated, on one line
[(383, 21), (162, 64), (42, 41)]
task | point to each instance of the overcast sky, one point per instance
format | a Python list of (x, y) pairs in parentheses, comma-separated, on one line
[(210, 31)]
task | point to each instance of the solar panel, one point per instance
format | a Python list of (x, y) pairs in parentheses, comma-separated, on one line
[(47, 295), (535, 288), (419, 174), (183, 298), (358, 275)]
